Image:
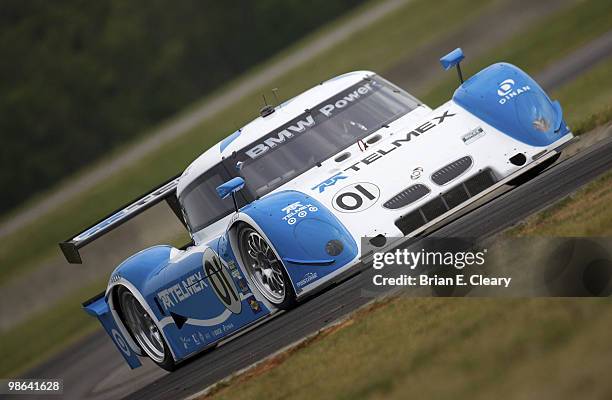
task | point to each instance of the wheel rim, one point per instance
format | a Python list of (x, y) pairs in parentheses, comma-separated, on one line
[(262, 265), (143, 327)]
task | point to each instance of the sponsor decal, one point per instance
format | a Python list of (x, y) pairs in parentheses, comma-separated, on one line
[(114, 278), (356, 197), (121, 343), (231, 264), (196, 340), (244, 287), (221, 281), (236, 273), (506, 90), (298, 127), (309, 277), (380, 153), (416, 173), (331, 181), (182, 290), (186, 341), (254, 304), (363, 90), (505, 87), (223, 329), (314, 117), (297, 210), (473, 135)]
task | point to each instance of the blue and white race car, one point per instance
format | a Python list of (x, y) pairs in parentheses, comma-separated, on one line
[(278, 209)]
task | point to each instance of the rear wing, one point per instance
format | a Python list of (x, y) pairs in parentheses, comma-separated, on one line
[(165, 191)]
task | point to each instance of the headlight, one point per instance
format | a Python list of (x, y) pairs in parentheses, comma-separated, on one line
[(535, 113), (334, 247), (319, 239)]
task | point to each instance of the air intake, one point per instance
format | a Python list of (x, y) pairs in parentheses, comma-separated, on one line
[(407, 196), (452, 171), (445, 202)]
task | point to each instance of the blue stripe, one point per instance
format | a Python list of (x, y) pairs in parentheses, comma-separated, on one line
[(225, 142)]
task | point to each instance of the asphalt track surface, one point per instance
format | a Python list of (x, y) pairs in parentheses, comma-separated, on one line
[(94, 369)]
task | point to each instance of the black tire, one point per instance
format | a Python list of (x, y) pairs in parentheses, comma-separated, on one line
[(266, 271), (137, 321), (533, 172)]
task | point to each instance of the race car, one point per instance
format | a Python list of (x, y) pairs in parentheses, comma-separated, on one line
[(280, 208)]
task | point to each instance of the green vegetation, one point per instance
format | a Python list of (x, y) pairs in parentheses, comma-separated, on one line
[(441, 348), (36, 242), (47, 332), (539, 46), (78, 79), (585, 213), (594, 120), (587, 100)]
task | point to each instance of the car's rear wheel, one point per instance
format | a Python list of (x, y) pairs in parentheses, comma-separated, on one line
[(264, 268), (144, 330)]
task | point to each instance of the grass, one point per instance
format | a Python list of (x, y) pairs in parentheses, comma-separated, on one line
[(440, 348), (589, 123), (584, 213), (376, 47), (587, 100), (46, 333), (540, 45)]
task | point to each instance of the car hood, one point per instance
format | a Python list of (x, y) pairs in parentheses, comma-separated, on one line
[(406, 153)]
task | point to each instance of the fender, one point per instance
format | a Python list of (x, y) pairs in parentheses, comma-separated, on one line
[(508, 99), (308, 238), (139, 273), (180, 292), (142, 268)]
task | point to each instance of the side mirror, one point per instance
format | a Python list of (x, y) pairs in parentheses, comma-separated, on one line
[(453, 59), (230, 188)]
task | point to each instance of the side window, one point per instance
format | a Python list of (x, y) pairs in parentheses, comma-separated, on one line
[(200, 202)]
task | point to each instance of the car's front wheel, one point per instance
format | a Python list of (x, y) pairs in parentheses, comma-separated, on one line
[(264, 268), (535, 171), (144, 330)]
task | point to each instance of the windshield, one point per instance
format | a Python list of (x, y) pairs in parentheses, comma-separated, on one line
[(320, 133)]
